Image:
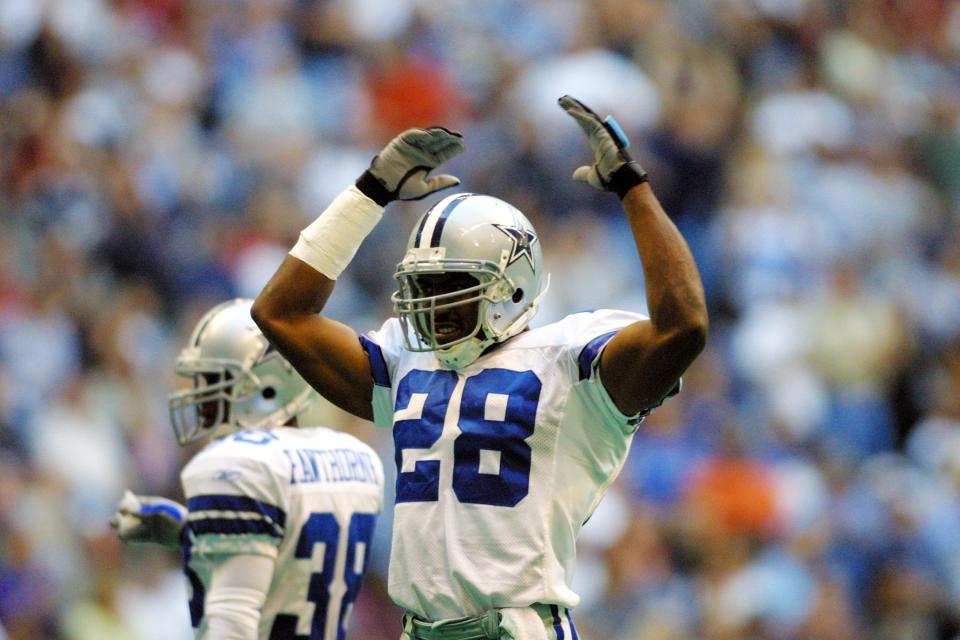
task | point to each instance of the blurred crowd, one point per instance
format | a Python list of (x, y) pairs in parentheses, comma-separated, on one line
[(159, 156)]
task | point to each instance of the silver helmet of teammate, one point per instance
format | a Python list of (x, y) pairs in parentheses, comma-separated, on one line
[(493, 242), (240, 381)]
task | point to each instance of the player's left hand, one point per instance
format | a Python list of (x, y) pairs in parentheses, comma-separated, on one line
[(614, 170), (149, 519)]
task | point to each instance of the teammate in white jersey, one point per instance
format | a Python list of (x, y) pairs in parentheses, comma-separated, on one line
[(506, 438), (277, 528)]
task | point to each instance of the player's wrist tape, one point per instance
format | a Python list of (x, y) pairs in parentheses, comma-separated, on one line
[(329, 243), (370, 186), (626, 177)]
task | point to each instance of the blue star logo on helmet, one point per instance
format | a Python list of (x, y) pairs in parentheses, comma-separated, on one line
[(523, 241)]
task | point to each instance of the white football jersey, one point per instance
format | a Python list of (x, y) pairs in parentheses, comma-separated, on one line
[(499, 464), (307, 497)]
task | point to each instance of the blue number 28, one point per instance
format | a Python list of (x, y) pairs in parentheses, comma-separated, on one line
[(491, 458)]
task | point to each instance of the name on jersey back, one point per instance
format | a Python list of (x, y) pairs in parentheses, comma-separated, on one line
[(330, 465)]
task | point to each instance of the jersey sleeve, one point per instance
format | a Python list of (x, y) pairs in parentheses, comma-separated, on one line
[(239, 585), (589, 334), (234, 501), (383, 348)]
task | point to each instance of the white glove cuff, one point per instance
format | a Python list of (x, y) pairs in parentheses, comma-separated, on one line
[(330, 242)]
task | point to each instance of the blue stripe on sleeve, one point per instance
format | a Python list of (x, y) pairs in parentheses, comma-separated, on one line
[(378, 366), (589, 353), (243, 504), (557, 623), (234, 526)]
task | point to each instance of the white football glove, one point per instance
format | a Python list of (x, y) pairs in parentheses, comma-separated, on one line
[(614, 170), (399, 172), (149, 519)]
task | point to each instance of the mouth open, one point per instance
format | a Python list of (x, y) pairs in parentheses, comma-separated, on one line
[(448, 331)]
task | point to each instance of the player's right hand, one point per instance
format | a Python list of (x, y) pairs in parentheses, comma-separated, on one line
[(149, 519), (399, 171)]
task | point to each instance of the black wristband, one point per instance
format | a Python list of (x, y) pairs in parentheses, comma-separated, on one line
[(625, 178), (370, 186)]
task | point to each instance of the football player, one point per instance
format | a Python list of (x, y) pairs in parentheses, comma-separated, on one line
[(277, 527), (506, 437)]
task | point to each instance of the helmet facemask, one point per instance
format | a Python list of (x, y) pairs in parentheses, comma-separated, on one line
[(501, 309), (206, 408), (437, 318), (238, 380)]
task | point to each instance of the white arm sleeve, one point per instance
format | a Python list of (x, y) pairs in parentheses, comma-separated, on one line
[(238, 589), (330, 242)]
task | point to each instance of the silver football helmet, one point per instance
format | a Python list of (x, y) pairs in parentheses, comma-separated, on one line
[(487, 239), (240, 381)]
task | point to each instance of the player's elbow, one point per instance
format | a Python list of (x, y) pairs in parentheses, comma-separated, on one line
[(265, 315), (688, 339), (260, 311), (682, 324), (695, 338)]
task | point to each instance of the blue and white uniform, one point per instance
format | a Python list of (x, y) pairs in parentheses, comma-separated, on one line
[(307, 498), (499, 464)]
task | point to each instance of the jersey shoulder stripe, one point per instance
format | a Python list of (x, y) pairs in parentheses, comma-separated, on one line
[(233, 526), (234, 496), (590, 352), (243, 506), (229, 523), (378, 366)]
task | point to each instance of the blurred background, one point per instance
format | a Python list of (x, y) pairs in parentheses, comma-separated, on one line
[(160, 156)]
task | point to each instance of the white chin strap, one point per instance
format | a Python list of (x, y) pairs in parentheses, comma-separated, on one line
[(220, 430), (460, 355), (463, 354)]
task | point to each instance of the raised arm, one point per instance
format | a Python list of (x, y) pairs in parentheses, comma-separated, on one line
[(642, 363), (325, 352)]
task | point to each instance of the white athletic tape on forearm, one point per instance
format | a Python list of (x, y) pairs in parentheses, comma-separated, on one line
[(330, 242)]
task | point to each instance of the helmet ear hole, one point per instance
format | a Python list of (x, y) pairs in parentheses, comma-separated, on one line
[(518, 295), (269, 393)]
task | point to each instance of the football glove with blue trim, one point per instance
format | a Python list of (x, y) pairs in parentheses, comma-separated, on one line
[(149, 519), (614, 170)]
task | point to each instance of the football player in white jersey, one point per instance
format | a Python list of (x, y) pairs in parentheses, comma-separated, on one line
[(277, 528), (506, 438)]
